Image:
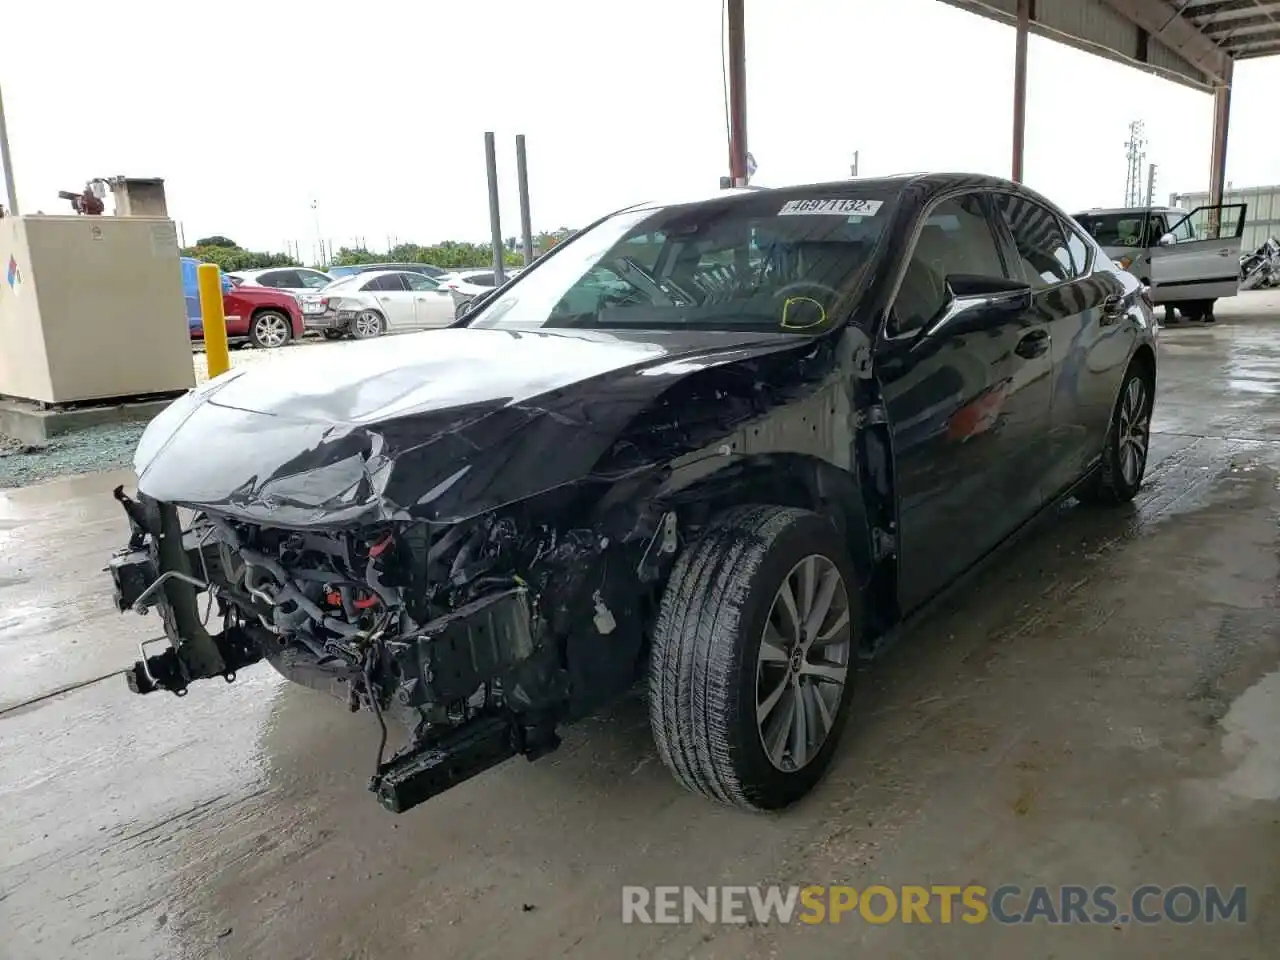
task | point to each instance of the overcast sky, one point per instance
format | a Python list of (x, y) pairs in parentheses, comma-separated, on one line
[(377, 110)]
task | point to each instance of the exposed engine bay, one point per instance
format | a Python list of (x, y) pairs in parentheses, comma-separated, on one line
[(478, 637)]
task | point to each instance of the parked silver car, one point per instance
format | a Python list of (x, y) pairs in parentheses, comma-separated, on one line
[(299, 281), (1188, 260), (371, 304)]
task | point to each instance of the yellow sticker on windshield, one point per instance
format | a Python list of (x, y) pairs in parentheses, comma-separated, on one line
[(801, 323)]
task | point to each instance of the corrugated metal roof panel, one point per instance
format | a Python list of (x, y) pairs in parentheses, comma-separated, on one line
[(1097, 26)]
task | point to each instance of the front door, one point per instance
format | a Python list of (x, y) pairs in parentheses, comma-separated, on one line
[(968, 407), (1199, 258), (432, 305), (394, 300)]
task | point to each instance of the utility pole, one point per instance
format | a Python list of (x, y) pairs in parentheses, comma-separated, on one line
[(853, 167), (1136, 153), (1151, 182)]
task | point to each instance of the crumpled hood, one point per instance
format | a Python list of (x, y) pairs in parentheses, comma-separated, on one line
[(438, 425)]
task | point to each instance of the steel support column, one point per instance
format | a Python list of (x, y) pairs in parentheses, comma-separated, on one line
[(1218, 153), (737, 70), (1020, 87)]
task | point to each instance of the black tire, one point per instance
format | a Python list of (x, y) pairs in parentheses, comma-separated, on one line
[(334, 334), (1111, 483), (270, 328), (704, 663), (374, 325), (1190, 310), (1207, 315)]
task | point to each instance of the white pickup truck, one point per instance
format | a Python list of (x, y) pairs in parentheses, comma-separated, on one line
[(1188, 260)]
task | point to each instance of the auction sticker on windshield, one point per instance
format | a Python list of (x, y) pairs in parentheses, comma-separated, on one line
[(837, 207)]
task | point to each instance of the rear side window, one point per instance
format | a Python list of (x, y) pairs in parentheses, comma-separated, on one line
[(1040, 242), (1081, 252), (279, 279), (387, 282)]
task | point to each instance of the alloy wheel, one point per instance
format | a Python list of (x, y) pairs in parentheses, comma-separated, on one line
[(271, 329), (368, 324), (803, 663), (1134, 431)]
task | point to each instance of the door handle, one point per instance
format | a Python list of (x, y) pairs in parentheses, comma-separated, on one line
[(1034, 344)]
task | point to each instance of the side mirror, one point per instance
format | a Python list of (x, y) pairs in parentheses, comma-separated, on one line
[(1168, 240), (976, 302)]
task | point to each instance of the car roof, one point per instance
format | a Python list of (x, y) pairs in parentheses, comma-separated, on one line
[(1108, 211), (258, 271), (926, 184)]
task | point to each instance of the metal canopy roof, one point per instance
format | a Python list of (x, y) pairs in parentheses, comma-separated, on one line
[(1191, 41)]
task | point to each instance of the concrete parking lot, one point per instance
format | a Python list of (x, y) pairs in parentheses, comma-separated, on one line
[(1102, 706)]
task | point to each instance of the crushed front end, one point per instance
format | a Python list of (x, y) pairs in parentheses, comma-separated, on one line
[(478, 636)]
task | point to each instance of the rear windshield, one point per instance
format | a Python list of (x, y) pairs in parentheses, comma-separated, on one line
[(761, 262), (1127, 229)]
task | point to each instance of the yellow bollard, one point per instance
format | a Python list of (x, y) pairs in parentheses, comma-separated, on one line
[(216, 354)]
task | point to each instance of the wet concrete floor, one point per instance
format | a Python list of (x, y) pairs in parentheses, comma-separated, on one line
[(1101, 707)]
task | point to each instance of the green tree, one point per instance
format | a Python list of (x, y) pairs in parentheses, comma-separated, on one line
[(217, 241)]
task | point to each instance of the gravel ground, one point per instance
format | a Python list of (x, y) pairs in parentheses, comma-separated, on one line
[(110, 446), (106, 447)]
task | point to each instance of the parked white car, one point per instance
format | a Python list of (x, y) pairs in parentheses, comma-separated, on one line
[(381, 301), (465, 285), (299, 281)]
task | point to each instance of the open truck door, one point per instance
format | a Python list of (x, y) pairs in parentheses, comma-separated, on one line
[(1199, 258)]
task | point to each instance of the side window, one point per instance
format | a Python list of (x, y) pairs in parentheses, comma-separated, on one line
[(1080, 251), (282, 279), (956, 238), (385, 283), (1157, 227), (1039, 240), (1183, 230), (312, 279), (417, 281)]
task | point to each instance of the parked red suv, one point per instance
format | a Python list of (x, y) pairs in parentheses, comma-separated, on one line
[(260, 315), (265, 317)]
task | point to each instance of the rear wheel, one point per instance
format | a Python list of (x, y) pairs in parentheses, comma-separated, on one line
[(1124, 457), (367, 324), (753, 655), (270, 328), (334, 334)]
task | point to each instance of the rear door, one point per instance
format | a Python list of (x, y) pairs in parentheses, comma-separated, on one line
[(1081, 307), (394, 300), (432, 305), (1199, 259)]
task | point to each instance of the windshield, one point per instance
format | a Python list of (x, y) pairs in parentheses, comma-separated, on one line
[(759, 262), (1127, 229)]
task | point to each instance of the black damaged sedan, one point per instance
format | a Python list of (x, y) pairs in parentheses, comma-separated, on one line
[(724, 448)]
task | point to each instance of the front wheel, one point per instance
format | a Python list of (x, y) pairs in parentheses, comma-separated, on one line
[(270, 328), (753, 653), (1124, 456)]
